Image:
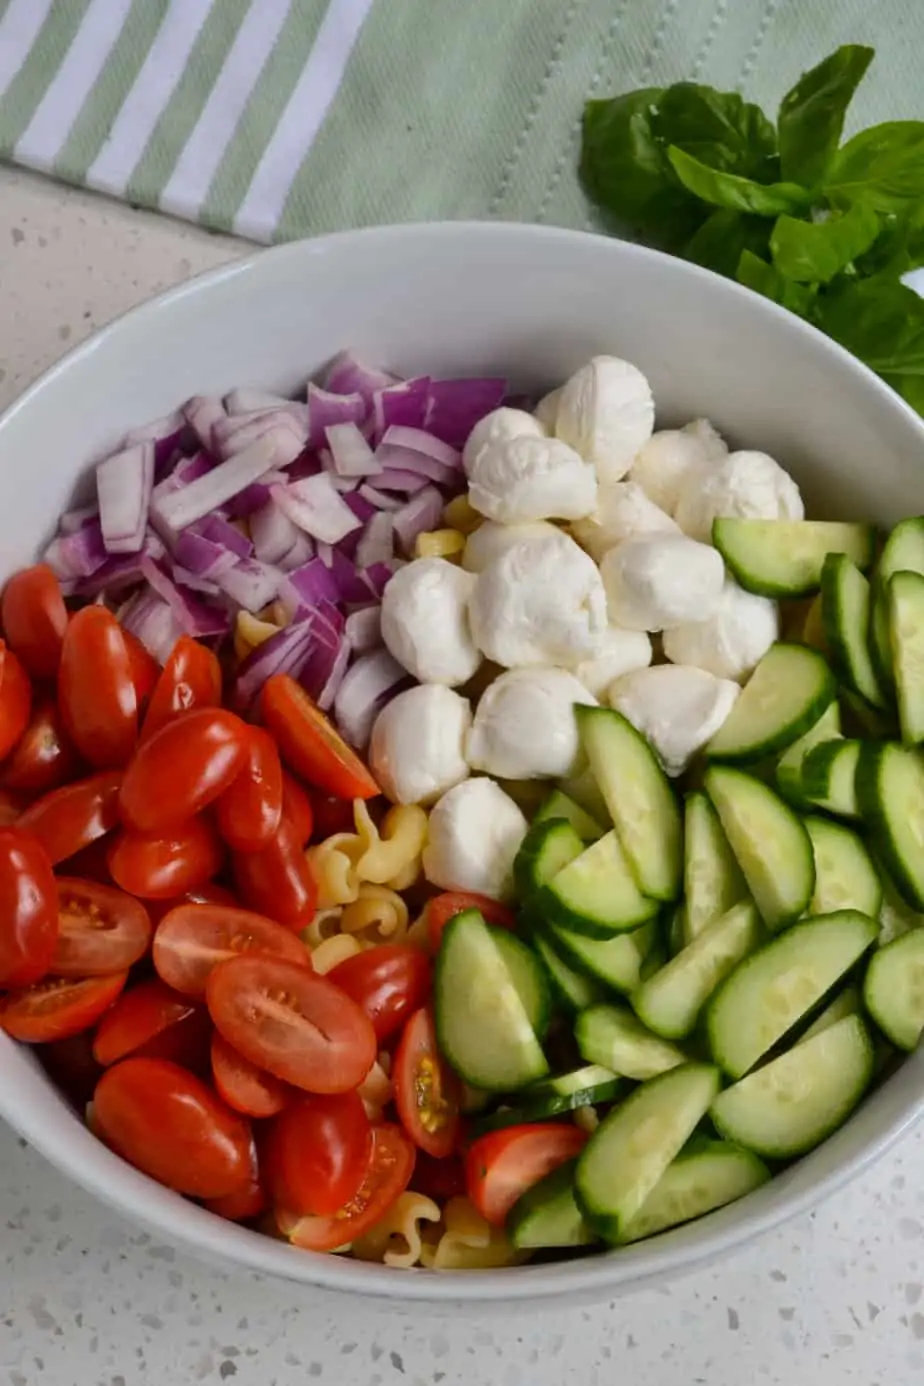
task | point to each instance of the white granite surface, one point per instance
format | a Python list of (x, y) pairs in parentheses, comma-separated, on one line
[(836, 1299)]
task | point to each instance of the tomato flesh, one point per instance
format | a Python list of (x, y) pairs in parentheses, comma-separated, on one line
[(193, 939), (42, 758), (159, 866), (247, 1202), (501, 1166), (149, 1020), (387, 1177), (250, 808), (96, 689), (145, 668), (309, 742), (191, 678), (71, 1066), (58, 1007), (15, 700), (34, 619), (68, 819), (182, 769), (248, 1089), (278, 880), (427, 1092), (100, 929), (28, 909), (444, 907), (297, 807), (318, 1153), (388, 982)]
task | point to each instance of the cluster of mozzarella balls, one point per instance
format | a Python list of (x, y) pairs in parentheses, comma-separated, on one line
[(596, 537)]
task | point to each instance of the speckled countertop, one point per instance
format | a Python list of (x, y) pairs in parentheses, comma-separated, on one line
[(835, 1299)]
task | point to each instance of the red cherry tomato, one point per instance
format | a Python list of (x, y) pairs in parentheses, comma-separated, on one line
[(96, 690), (152, 1022), (317, 1154), (190, 678), (387, 1177), (182, 769), (166, 1122), (246, 1088), (501, 1166), (28, 909), (285, 1019), (331, 815), (57, 1007), (444, 907), (388, 982), (310, 743), (90, 863), (34, 619), (427, 1091), (247, 1202), (439, 1179), (193, 939), (249, 810), (159, 866), (11, 809), (209, 894), (71, 1066), (42, 758), (296, 806), (100, 929), (145, 668), (15, 700), (278, 880), (68, 819)]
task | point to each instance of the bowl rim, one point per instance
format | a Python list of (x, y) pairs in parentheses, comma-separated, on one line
[(209, 1237)]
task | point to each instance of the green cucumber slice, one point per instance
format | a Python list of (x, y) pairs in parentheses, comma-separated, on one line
[(845, 608), (829, 777), (783, 699), (846, 1002), (712, 879), (547, 1215), (561, 805), (893, 990), (890, 794), (612, 1036), (906, 623), (617, 962), (573, 988), (548, 846), (696, 1183), (784, 558), (789, 768), (845, 877), (528, 977), (596, 894), (903, 551)]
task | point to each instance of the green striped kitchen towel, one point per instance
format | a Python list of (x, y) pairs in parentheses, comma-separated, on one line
[(279, 118)]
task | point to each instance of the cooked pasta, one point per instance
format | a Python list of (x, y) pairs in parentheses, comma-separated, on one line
[(467, 1242), (249, 632), (331, 951), (398, 848), (440, 543), (376, 1089), (396, 1240), (324, 925), (334, 873)]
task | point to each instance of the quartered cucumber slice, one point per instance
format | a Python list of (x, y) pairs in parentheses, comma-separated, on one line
[(890, 792), (906, 623), (845, 607), (528, 977), (846, 1002), (712, 879), (596, 894), (829, 777), (669, 1003), (894, 989), (548, 846), (585, 792), (903, 551), (561, 805), (771, 990), (789, 768), (845, 877), (639, 797), (697, 1182), (896, 917), (769, 842), (573, 988), (612, 1036), (790, 1105), (784, 558), (617, 962), (633, 1146), (547, 1215), (784, 697), (552, 1097)]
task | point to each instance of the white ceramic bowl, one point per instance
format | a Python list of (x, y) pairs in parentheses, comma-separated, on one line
[(534, 304)]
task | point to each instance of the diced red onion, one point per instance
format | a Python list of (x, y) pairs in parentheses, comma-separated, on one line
[(351, 454), (117, 574), (406, 460), (378, 501), (206, 586), (276, 448), (190, 469), (73, 520), (404, 404), (326, 408), (153, 621), (194, 616), (273, 533), (249, 401), (123, 489), (283, 653), (348, 375), (202, 556), (226, 535), (378, 575), (423, 512), (202, 413), (169, 426), (367, 687), (300, 552), (394, 480), (323, 673), (314, 505), (455, 406), (234, 435), (307, 586), (378, 542), (363, 629), (419, 440), (250, 583), (77, 555)]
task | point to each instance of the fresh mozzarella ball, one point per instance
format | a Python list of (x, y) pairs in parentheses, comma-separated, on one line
[(498, 427), (547, 409), (417, 750), (657, 581), (475, 832), (540, 602), (670, 458), (425, 621), (747, 486), (490, 540), (731, 641), (531, 479), (677, 708), (623, 510), (619, 652), (606, 412), (525, 727)]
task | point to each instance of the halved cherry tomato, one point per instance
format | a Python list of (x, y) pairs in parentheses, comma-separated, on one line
[(96, 690), (166, 1122), (100, 929), (317, 1154), (90, 863), (71, 1066), (310, 743), (11, 809), (182, 769), (42, 758), (159, 866), (28, 909), (278, 880), (145, 668), (68, 819), (388, 982), (149, 1020), (297, 807), (190, 678), (285, 1019), (501, 1166), (58, 1007), (192, 939), (249, 810), (15, 700), (35, 618), (209, 894), (248, 1089), (247, 1202), (444, 907), (331, 815), (439, 1179), (427, 1091), (388, 1176)]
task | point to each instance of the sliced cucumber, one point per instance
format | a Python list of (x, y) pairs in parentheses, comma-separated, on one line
[(783, 558), (893, 990), (906, 623), (528, 977), (845, 877), (675, 930), (633, 1146), (846, 1002), (639, 797), (696, 1183), (784, 697), (790, 1105), (896, 917), (813, 628), (829, 777), (845, 606), (863, 720), (611, 1035), (585, 792), (903, 551), (890, 792), (482, 1025), (769, 842), (771, 990), (548, 846), (616, 961), (596, 894), (789, 769), (669, 1003), (561, 805), (547, 1215), (654, 960), (712, 879), (573, 989), (553, 1097)]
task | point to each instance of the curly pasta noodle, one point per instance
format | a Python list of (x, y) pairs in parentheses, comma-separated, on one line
[(332, 951), (397, 1240), (378, 916), (467, 1242)]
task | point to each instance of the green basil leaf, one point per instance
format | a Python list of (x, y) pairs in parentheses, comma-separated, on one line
[(718, 128), (899, 247), (739, 194), (754, 273), (882, 166), (811, 116), (719, 242), (815, 251), (882, 322)]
